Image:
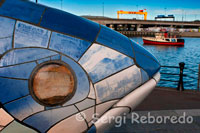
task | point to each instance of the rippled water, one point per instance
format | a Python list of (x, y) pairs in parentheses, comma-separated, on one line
[(172, 55)]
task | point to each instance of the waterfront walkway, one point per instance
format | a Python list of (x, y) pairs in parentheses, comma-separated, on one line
[(165, 102)]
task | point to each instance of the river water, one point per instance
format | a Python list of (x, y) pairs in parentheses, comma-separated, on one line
[(172, 55)]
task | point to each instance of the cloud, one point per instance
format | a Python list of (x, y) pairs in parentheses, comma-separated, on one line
[(179, 11)]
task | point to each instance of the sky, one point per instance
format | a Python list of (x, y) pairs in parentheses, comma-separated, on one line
[(187, 10)]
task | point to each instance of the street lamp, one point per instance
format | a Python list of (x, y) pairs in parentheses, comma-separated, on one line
[(61, 3), (103, 8)]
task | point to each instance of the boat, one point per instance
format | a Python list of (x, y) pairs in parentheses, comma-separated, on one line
[(163, 39)]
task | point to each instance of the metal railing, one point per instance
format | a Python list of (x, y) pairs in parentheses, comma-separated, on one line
[(177, 73)]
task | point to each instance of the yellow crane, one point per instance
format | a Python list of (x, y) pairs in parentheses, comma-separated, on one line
[(141, 12)]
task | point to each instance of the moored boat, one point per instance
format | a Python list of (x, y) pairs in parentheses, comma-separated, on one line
[(160, 39)]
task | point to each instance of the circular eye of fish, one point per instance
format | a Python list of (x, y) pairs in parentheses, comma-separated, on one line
[(52, 83)]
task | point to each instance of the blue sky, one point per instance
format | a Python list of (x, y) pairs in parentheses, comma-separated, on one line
[(188, 9)]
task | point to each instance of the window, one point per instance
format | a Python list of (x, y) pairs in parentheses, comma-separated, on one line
[(52, 83)]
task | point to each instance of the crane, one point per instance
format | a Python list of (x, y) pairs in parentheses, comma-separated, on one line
[(141, 12)]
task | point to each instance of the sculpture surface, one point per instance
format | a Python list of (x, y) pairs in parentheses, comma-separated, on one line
[(56, 68)]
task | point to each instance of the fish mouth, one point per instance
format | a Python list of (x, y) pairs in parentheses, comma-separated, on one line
[(145, 60), (126, 105)]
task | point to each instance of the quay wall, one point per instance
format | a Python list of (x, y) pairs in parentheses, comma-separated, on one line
[(152, 34)]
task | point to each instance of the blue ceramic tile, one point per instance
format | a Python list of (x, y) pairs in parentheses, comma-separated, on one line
[(83, 86), (25, 55), (100, 62), (147, 63), (138, 48), (27, 35), (6, 27), (23, 108), (22, 71), (5, 44), (118, 85), (56, 57), (115, 40), (145, 76), (23, 10), (46, 119), (43, 60), (69, 46), (12, 89), (54, 107), (70, 24), (93, 129)]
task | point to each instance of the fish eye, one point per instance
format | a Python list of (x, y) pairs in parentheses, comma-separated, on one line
[(52, 83)]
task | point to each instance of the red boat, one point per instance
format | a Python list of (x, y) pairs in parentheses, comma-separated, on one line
[(163, 40)]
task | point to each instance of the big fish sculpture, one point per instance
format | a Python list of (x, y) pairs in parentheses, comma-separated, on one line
[(58, 71)]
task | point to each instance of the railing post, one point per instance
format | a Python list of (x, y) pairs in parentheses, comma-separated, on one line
[(180, 83), (1, 106), (198, 86)]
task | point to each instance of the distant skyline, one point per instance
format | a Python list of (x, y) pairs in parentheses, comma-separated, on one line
[(182, 9)]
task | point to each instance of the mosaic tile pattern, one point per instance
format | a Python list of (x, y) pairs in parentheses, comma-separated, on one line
[(83, 85), (100, 62), (140, 49), (70, 24), (25, 55), (7, 28), (12, 89), (16, 127), (104, 71), (147, 63), (69, 46), (69, 125), (145, 76), (23, 107), (27, 35), (22, 71), (49, 117), (19, 9), (115, 87), (115, 40)]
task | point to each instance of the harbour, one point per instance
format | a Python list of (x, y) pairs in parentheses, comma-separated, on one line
[(91, 67), (131, 28), (172, 56)]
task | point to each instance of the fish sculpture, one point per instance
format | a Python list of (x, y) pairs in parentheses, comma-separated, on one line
[(60, 72)]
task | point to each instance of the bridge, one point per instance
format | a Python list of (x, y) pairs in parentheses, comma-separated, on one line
[(185, 28)]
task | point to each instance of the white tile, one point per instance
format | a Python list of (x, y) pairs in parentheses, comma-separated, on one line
[(50, 117), (88, 114), (92, 92), (100, 62), (69, 125), (27, 35), (69, 46), (118, 85), (85, 104), (102, 108)]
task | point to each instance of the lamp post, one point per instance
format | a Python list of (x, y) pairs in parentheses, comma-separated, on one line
[(61, 4), (103, 8), (137, 11)]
